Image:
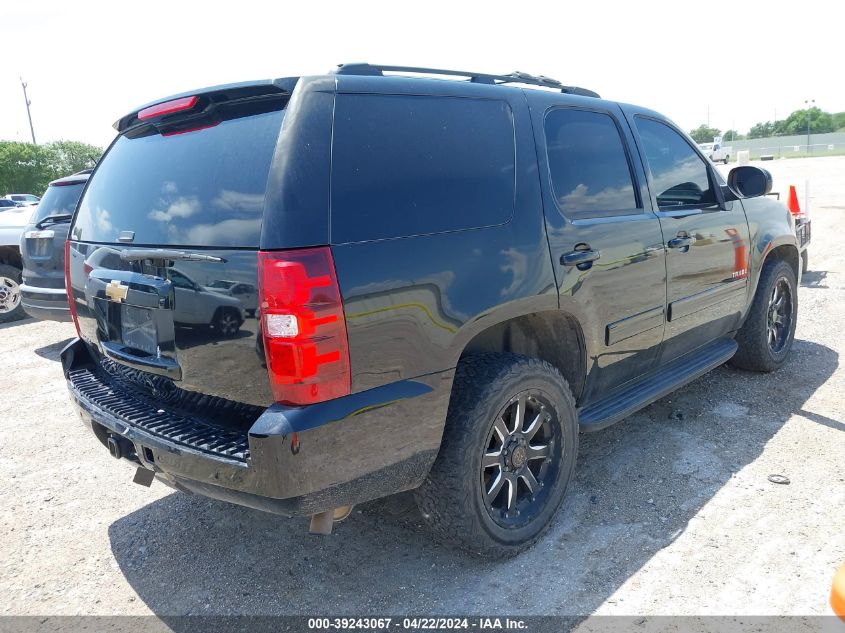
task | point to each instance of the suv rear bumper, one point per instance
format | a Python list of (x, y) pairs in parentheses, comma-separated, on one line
[(48, 304), (299, 461)]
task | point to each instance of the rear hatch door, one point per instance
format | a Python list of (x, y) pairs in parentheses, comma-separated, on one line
[(173, 209), (43, 242)]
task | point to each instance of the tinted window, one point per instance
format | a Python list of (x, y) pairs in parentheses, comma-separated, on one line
[(587, 162), (58, 200), (180, 281), (204, 187), (679, 175), (410, 165)]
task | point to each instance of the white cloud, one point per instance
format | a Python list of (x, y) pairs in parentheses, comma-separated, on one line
[(102, 219), (609, 199), (232, 231), (228, 200), (183, 207)]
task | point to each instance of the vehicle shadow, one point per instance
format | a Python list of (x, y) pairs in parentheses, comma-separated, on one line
[(638, 485), (813, 279), (11, 324), (52, 351)]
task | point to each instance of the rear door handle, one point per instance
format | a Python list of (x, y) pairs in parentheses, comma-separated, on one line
[(681, 241), (583, 259)]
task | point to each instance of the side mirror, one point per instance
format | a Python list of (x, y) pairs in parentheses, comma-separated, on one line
[(746, 181)]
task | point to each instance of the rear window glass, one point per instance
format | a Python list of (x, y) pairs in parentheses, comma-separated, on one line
[(57, 201), (411, 165), (200, 188)]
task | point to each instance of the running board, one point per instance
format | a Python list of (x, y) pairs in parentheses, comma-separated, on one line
[(628, 399)]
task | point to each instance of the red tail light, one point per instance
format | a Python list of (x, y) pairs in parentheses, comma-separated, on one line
[(70, 301), (304, 328)]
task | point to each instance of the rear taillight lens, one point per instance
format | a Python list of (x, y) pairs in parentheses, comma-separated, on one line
[(304, 328), (70, 301)]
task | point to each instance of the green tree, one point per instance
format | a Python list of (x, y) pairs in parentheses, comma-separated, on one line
[(764, 130), (22, 167), (704, 133), (838, 121), (69, 157), (731, 135), (28, 168), (820, 122)]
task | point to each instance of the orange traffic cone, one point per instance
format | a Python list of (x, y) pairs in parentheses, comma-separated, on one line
[(837, 593), (792, 201)]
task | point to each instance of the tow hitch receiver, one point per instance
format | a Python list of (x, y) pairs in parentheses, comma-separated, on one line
[(120, 446)]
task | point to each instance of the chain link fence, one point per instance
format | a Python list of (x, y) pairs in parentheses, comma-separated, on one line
[(797, 151), (795, 146)]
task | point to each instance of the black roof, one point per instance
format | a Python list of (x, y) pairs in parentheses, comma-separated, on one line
[(285, 85)]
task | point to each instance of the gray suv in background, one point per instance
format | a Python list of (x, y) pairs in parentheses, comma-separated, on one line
[(43, 294)]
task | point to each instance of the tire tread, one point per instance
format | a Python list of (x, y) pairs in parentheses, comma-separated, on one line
[(442, 497), (753, 352)]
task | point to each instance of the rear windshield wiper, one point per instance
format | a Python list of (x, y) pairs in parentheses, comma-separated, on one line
[(164, 254), (53, 219)]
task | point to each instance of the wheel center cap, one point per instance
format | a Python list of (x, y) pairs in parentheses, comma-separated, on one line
[(518, 457)]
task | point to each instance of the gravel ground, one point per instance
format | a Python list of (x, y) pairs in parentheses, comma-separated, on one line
[(671, 511)]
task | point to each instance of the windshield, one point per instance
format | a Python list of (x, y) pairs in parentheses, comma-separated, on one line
[(198, 188), (224, 285), (58, 200)]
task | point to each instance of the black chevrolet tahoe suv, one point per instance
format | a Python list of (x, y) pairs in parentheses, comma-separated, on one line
[(455, 276)]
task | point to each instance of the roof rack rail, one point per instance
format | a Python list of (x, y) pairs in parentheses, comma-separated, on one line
[(479, 78)]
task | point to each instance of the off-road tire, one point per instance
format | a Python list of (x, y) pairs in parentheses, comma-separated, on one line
[(754, 351), (451, 499), (10, 272)]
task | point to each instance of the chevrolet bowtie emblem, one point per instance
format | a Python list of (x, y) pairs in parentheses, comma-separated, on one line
[(116, 291)]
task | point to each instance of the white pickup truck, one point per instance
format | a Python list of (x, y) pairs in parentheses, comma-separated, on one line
[(715, 151), (13, 221)]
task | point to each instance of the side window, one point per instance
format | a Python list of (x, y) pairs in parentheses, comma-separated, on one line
[(412, 165), (680, 177), (588, 166), (179, 280)]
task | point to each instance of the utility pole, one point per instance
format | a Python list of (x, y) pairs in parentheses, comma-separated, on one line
[(28, 113), (809, 103)]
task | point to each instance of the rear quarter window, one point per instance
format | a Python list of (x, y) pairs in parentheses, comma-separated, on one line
[(588, 165), (415, 165)]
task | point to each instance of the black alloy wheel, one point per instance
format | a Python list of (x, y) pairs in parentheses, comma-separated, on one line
[(779, 315), (520, 459)]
